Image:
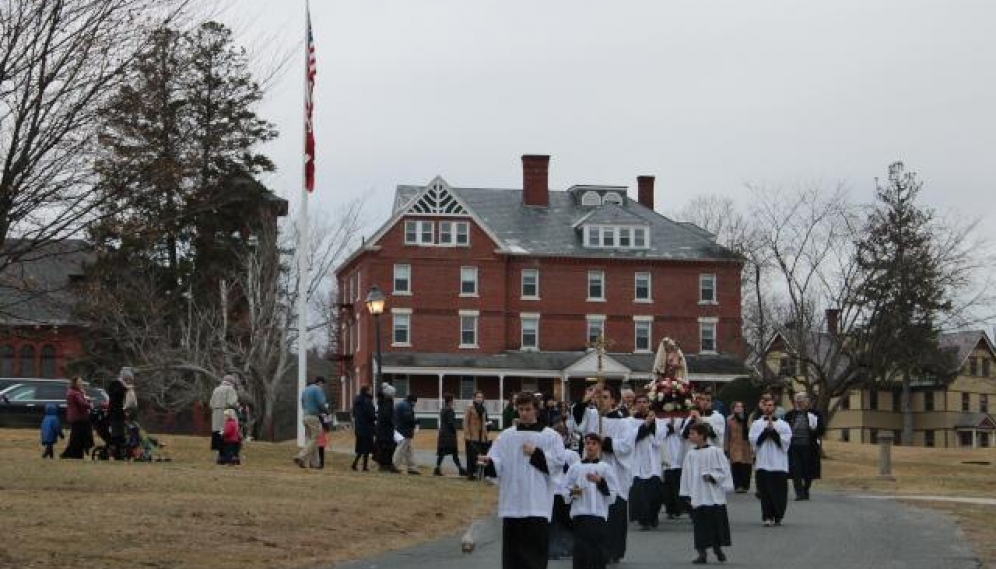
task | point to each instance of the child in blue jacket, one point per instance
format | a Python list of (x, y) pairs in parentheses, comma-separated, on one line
[(51, 431)]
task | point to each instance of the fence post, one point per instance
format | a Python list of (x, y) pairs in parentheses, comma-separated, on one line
[(885, 455)]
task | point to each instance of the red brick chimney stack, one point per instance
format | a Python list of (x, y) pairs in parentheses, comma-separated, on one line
[(645, 191), (536, 180)]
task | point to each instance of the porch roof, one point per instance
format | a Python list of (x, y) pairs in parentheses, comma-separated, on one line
[(980, 421), (701, 367)]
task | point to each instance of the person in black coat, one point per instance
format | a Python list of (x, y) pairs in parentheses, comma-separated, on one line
[(364, 423), (446, 444), (384, 432), (117, 391), (808, 427)]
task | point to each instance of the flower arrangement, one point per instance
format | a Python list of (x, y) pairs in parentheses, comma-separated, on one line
[(670, 391)]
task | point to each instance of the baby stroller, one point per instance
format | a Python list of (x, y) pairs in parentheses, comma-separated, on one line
[(138, 445)]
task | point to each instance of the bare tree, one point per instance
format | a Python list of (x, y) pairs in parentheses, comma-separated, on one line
[(59, 60)]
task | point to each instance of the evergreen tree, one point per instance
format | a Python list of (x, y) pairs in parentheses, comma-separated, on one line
[(903, 290)]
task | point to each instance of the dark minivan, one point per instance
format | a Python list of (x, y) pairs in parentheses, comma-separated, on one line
[(23, 400)]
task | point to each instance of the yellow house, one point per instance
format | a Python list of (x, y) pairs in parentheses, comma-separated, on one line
[(952, 413)]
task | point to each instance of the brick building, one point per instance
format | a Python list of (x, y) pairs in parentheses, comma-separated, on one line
[(504, 290)]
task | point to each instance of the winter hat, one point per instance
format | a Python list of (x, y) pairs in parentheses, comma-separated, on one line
[(388, 390)]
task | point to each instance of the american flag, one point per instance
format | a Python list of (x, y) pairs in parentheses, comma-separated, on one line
[(309, 132)]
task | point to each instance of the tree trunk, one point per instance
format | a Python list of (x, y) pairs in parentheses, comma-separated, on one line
[(907, 409), (267, 422)]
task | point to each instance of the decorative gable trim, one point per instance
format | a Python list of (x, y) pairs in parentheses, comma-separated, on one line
[(437, 199)]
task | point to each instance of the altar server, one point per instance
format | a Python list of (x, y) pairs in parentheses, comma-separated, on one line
[(593, 486), (770, 437), (705, 480)]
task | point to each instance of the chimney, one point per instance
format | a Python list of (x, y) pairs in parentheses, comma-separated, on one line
[(536, 180), (833, 321), (645, 191)]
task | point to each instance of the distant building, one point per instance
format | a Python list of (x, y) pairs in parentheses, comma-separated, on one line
[(946, 413), (504, 290)]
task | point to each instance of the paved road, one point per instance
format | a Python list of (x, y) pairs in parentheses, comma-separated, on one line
[(831, 531)]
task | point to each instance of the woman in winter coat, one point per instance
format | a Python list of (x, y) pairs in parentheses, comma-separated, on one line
[(446, 444), (78, 417), (384, 433), (737, 447), (364, 423)]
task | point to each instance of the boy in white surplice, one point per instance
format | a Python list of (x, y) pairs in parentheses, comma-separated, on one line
[(705, 480), (593, 487)]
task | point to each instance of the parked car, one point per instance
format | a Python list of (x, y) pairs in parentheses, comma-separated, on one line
[(22, 401)]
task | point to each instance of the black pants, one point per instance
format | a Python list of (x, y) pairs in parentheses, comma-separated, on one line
[(672, 484), (590, 543), (80, 440), (741, 474), (443, 453), (645, 500), (49, 450), (385, 453), (772, 489), (561, 532), (474, 449), (801, 468), (711, 527), (524, 543), (618, 527)]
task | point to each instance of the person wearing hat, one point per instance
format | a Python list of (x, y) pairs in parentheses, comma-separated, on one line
[(224, 397), (313, 404)]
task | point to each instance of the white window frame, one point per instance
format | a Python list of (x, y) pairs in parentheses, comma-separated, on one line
[(476, 315), (709, 323), (423, 228), (640, 321), (644, 237), (625, 234), (399, 315), (407, 291), (446, 233), (454, 233), (533, 317), (601, 283), (591, 198), (703, 279), (612, 198), (593, 236), (464, 271), (612, 236), (650, 287), (591, 319), (522, 284)]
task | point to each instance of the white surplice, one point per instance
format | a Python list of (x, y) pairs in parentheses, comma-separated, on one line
[(699, 462), (524, 490)]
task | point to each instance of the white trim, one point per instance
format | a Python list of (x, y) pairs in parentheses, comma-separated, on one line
[(521, 277), (643, 318), (401, 311), (715, 288), (595, 317), (708, 320), (601, 282), (533, 317), (407, 313), (650, 286), (529, 315), (469, 312), (476, 281)]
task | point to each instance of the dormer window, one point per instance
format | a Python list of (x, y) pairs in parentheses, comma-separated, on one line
[(612, 197), (590, 198), (615, 237)]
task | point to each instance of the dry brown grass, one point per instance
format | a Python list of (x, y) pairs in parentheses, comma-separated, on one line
[(937, 472), (192, 513)]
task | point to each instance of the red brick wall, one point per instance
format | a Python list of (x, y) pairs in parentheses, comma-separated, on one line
[(66, 341)]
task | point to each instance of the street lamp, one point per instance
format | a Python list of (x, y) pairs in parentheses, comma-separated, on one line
[(375, 305)]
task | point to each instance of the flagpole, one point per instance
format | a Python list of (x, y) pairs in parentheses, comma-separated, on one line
[(303, 240)]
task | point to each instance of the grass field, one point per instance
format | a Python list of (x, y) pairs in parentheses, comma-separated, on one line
[(192, 513)]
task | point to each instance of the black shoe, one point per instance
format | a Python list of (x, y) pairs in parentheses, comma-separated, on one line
[(297, 461), (435, 472), (463, 472), (700, 560), (778, 521), (720, 556), (415, 472)]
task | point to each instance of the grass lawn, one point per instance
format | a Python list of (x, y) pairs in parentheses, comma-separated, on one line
[(192, 513), (853, 468)]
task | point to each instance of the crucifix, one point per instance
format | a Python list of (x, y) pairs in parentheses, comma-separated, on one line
[(599, 345)]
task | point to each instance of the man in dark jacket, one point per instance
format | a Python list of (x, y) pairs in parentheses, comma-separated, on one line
[(384, 430), (405, 423), (117, 390), (364, 422), (804, 451)]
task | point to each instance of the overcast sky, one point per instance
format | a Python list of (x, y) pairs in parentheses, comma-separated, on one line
[(706, 95)]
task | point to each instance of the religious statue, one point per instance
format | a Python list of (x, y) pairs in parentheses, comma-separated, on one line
[(669, 391)]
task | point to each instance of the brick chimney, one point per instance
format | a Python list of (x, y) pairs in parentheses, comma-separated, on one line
[(833, 321), (536, 180), (645, 191)]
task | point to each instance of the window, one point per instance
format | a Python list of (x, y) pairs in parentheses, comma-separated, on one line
[(468, 328), (625, 237), (845, 435), (642, 327), (418, 232), (845, 401), (608, 237), (530, 331), (596, 327), (986, 367), (612, 197), (966, 401), (873, 399), (530, 284), (454, 233), (896, 400), (401, 334), (785, 366), (402, 387), (928, 400), (642, 287), (28, 362), (468, 385), (707, 289), (928, 438), (596, 285), (594, 237), (590, 198), (468, 281), (973, 367), (48, 361), (983, 402), (6, 360), (965, 438), (639, 237), (402, 279), (707, 334)]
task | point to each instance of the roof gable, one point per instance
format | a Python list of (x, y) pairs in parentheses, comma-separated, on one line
[(437, 199)]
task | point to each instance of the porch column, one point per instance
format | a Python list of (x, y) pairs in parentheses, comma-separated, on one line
[(564, 394), (501, 400), (975, 438), (441, 390)]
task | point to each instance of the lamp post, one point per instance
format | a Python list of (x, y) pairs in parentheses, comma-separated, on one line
[(375, 305)]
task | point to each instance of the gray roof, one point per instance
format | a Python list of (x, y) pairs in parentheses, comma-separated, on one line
[(975, 421), (717, 364), (964, 342), (550, 231), (38, 289)]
